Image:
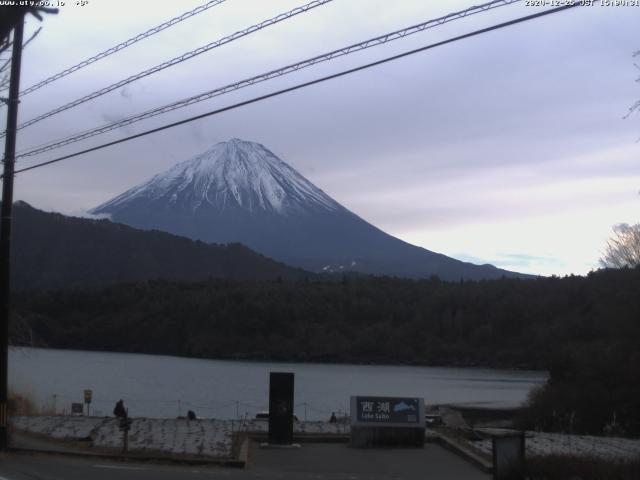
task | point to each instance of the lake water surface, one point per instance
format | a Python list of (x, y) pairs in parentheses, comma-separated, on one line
[(163, 386)]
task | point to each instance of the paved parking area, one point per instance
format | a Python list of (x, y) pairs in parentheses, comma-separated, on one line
[(314, 461), (339, 461)]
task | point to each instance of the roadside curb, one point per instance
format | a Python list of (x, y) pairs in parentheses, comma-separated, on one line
[(463, 451), (305, 438), (223, 462)]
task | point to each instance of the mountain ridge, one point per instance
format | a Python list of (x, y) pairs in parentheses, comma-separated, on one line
[(51, 250), (239, 191)]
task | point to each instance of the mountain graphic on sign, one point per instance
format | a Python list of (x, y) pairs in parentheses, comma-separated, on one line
[(403, 407)]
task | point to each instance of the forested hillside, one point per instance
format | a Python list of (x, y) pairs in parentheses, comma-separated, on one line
[(511, 323), (54, 251)]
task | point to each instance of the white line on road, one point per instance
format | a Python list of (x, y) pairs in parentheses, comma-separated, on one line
[(116, 467)]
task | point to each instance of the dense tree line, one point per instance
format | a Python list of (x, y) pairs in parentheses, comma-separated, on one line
[(585, 330)]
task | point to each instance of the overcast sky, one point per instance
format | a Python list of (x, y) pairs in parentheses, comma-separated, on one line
[(508, 148)]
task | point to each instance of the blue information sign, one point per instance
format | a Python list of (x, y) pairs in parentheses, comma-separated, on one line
[(388, 410)]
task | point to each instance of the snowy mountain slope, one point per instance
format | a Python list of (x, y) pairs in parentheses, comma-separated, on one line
[(238, 191), (231, 175)]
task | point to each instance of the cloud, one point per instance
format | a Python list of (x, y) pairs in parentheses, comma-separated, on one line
[(514, 261), (197, 132), (125, 92), (528, 261), (85, 214), (109, 118)]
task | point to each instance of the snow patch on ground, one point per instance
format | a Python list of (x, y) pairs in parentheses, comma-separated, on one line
[(214, 438), (309, 428), (210, 438), (206, 437), (540, 444), (59, 428)]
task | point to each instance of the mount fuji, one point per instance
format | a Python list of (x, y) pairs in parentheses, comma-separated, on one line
[(239, 191)]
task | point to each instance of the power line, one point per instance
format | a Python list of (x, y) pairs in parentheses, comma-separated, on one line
[(120, 46), (303, 85), (372, 42), (177, 60)]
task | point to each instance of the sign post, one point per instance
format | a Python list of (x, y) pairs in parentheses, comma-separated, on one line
[(387, 421), (87, 399), (125, 426)]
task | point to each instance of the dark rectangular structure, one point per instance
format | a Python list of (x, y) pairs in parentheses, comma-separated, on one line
[(509, 456), (281, 408)]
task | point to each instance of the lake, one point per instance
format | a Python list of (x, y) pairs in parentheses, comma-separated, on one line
[(164, 386)]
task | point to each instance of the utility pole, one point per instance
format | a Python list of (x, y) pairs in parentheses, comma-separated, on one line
[(5, 225)]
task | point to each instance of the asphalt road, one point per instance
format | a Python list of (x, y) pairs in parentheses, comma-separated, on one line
[(312, 461)]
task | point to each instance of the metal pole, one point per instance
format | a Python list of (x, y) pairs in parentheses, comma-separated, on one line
[(125, 442), (5, 225), (125, 422)]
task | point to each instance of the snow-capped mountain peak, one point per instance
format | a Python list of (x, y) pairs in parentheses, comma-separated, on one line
[(231, 175), (239, 191)]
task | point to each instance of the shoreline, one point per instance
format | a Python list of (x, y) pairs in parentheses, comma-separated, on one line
[(291, 362)]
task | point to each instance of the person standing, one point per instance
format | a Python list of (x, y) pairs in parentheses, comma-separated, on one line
[(119, 410)]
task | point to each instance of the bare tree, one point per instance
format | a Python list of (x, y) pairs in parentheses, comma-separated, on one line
[(5, 63), (623, 248), (10, 15), (636, 106)]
